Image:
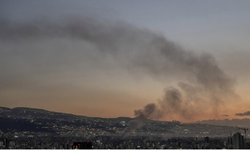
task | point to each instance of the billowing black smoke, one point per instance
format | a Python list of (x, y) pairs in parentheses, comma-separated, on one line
[(203, 85)]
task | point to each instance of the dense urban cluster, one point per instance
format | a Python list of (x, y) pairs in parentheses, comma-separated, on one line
[(109, 142)]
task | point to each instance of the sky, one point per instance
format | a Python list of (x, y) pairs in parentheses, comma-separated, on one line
[(108, 58)]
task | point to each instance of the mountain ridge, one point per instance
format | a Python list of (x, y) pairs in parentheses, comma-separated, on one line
[(44, 110), (25, 120), (244, 122)]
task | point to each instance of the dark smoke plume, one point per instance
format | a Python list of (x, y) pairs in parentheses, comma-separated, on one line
[(203, 85)]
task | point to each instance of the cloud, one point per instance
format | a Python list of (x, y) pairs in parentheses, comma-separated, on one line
[(247, 113)]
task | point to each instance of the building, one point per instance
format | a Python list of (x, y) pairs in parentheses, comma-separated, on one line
[(238, 141), (6, 143), (229, 142), (82, 145), (206, 139)]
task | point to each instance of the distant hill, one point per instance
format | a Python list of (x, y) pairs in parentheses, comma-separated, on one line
[(34, 113), (227, 122), (26, 112), (23, 120), (39, 120)]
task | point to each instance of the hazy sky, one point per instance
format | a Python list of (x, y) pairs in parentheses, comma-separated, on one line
[(49, 68)]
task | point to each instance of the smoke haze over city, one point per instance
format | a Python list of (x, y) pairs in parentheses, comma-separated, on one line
[(127, 59)]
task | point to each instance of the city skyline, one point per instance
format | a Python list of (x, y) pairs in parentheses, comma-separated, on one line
[(110, 58)]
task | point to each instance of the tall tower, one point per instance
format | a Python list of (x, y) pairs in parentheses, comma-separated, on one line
[(238, 141)]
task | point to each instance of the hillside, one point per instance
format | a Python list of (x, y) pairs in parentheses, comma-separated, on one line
[(30, 121)]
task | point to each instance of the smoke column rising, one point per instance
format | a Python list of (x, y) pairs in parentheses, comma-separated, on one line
[(205, 85)]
